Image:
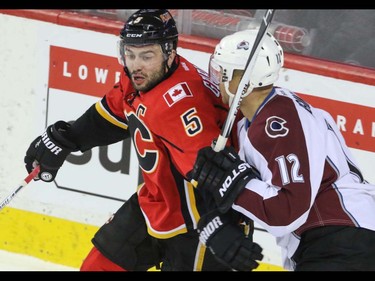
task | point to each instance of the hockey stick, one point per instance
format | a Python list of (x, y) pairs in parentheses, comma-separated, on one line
[(244, 83), (23, 184)]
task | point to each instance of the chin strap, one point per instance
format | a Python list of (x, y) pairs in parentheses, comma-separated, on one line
[(231, 96)]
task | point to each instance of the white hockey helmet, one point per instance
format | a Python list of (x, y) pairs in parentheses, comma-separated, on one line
[(233, 51)]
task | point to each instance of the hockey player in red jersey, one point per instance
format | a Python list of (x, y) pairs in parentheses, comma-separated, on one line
[(170, 109), (293, 174)]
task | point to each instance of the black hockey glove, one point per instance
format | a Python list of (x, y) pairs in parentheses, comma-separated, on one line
[(228, 242), (49, 151), (221, 174)]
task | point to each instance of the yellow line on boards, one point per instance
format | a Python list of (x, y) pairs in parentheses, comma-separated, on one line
[(48, 238), (54, 239)]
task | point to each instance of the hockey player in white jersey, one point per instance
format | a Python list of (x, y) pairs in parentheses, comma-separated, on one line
[(294, 174)]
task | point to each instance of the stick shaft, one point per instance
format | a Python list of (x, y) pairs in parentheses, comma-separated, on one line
[(22, 184)]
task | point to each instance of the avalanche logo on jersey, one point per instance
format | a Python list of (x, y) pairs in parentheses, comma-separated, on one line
[(177, 93), (275, 127)]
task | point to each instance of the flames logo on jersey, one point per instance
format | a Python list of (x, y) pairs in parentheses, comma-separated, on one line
[(177, 93), (275, 127)]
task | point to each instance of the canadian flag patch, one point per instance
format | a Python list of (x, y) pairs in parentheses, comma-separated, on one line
[(177, 93)]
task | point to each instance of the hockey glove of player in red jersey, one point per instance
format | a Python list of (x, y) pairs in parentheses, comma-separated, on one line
[(49, 151), (221, 174), (227, 241)]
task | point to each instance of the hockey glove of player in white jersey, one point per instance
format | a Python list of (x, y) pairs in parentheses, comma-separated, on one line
[(49, 151), (227, 241), (221, 174)]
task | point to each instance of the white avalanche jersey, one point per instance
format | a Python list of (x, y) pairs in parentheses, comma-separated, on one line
[(308, 177)]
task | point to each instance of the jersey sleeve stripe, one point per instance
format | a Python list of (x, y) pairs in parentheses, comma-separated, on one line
[(108, 116)]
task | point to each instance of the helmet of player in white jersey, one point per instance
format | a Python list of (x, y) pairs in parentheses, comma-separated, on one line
[(233, 51)]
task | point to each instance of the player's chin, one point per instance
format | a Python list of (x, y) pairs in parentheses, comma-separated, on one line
[(142, 87)]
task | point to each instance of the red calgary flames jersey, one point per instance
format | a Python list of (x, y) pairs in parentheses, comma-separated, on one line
[(168, 125)]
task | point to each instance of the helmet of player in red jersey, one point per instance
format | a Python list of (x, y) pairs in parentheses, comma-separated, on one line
[(149, 26)]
